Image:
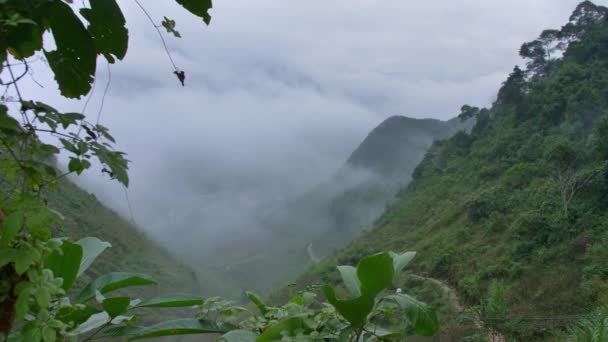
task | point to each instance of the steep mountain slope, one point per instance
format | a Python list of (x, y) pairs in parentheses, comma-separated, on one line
[(132, 250), (335, 211), (391, 147), (514, 215)]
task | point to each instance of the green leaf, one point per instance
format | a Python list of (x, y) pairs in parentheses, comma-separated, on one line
[(94, 321), (43, 296), (10, 227), (111, 282), (257, 301), (375, 272), (65, 264), (107, 28), (76, 165), (68, 145), (39, 222), (74, 60), (349, 277), (7, 256), (77, 314), (419, 315), (383, 333), (177, 327), (198, 7), (304, 299), (169, 25), (114, 160), (25, 258), (92, 247), (239, 336), (49, 334), (275, 332), (49, 149), (22, 305), (67, 119), (121, 331), (116, 306), (24, 40), (7, 122), (172, 301), (104, 132), (401, 260), (354, 310)]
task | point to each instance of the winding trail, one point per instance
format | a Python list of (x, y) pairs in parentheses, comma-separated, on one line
[(457, 304), (311, 254)]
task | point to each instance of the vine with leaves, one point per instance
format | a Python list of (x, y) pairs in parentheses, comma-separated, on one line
[(39, 267)]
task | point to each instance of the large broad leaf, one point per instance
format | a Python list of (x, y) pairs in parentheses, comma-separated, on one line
[(177, 327), (12, 224), (7, 256), (107, 28), (354, 310), (77, 314), (66, 263), (375, 273), (95, 321), (419, 315), (7, 122), (172, 301), (349, 277), (91, 247), (111, 282), (198, 7), (382, 333), (25, 258), (116, 306), (257, 301), (119, 331), (275, 332), (401, 260), (239, 336), (24, 40), (74, 60)]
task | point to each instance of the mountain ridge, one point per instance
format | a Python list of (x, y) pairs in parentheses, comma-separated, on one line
[(513, 215), (336, 210)]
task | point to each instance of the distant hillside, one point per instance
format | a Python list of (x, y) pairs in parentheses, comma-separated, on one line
[(390, 149), (335, 212), (132, 250), (514, 215)]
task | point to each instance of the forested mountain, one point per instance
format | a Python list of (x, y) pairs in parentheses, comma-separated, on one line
[(337, 210), (514, 214)]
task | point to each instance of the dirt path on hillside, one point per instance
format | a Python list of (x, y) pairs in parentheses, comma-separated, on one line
[(311, 254), (457, 304)]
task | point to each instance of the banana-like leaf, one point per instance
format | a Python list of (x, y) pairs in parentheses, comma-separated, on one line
[(173, 300), (111, 282)]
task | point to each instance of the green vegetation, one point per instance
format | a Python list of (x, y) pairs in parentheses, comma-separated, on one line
[(131, 250), (336, 211), (513, 215), (40, 267)]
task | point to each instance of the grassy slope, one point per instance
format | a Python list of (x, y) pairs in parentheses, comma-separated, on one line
[(132, 250), (486, 207)]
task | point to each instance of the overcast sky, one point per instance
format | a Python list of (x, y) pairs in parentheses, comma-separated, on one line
[(278, 93)]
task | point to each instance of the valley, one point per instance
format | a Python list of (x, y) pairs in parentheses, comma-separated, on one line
[(302, 206)]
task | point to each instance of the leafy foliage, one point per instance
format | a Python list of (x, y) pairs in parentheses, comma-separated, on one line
[(593, 328), (513, 215)]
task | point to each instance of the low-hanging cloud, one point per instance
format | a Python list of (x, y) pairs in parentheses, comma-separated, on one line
[(279, 93)]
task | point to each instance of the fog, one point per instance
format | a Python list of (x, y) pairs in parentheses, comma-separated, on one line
[(279, 93)]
